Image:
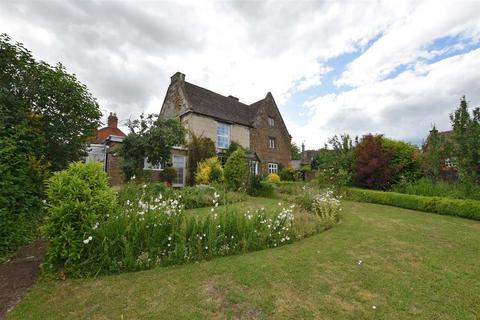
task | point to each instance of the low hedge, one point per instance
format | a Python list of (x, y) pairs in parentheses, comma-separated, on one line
[(454, 207)]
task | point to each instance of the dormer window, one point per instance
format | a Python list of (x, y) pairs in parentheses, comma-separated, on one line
[(223, 135), (271, 122)]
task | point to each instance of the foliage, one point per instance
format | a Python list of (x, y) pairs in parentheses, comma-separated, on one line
[(404, 161), (67, 114), (191, 197), (199, 149), (209, 171), (330, 177), (168, 174), (273, 178), (337, 154), (257, 187), (466, 137), (371, 163), (288, 174), (325, 204), (431, 188), (234, 146), (156, 233), (455, 207), (435, 150), (236, 170), (295, 152), (150, 137), (79, 200), (22, 171)]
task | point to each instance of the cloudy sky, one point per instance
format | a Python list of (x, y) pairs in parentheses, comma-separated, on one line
[(392, 67)]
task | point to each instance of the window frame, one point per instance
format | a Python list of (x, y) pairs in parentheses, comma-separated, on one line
[(224, 135), (271, 142), (150, 167), (272, 167), (271, 121)]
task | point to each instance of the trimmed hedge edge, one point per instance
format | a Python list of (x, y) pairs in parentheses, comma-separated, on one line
[(469, 209)]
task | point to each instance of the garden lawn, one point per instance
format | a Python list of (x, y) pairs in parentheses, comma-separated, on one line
[(414, 266)]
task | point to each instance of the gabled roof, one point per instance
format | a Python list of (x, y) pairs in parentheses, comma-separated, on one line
[(228, 109)]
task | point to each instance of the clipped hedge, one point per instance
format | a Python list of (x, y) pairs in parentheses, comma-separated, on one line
[(454, 207)]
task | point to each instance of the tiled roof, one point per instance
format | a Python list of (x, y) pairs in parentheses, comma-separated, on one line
[(215, 105), (104, 133)]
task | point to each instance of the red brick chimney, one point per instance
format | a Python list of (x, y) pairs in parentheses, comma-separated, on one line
[(112, 120)]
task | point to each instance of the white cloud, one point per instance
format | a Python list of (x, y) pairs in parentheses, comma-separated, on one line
[(404, 107), (125, 52)]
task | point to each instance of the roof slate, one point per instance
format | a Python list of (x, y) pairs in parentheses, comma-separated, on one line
[(209, 103)]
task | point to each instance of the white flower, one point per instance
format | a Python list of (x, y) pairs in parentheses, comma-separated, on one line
[(133, 177), (144, 186), (212, 209), (206, 248), (374, 307), (95, 226), (169, 238), (359, 262), (216, 204), (90, 238)]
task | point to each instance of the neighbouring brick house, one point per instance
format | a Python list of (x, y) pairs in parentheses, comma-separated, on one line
[(106, 138), (258, 127)]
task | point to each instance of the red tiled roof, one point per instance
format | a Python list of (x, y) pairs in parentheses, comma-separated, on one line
[(102, 134)]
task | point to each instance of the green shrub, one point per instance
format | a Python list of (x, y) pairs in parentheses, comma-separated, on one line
[(79, 200), (273, 178), (267, 190), (209, 171), (236, 170), (455, 207), (289, 187), (288, 174)]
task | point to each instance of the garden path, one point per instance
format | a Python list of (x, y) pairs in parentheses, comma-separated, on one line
[(19, 274)]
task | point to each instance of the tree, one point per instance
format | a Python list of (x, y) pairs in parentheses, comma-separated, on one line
[(466, 137), (236, 170), (295, 152), (22, 172), (67, 113), (404, 163), (371, 163), (199, 149), (337, 154), (433, 154), (152, 138)]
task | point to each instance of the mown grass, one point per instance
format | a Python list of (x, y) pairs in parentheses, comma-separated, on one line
[(414, 266)]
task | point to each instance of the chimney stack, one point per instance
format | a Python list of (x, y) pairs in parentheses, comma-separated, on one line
[(112, 120), (178, 76), (303, 147)]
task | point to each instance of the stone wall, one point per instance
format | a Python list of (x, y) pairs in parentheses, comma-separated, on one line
[(262, 132)]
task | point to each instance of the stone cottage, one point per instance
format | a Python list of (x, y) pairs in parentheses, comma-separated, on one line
[(258, 127)]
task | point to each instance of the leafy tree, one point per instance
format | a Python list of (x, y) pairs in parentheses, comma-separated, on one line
[(433, 155), (466, 137), (404, 161), (295, 152), (236, 170), (67, 113), (199, 149), (152, 138), (337, 155), (234, 146), (22, 171), (371, 163)]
